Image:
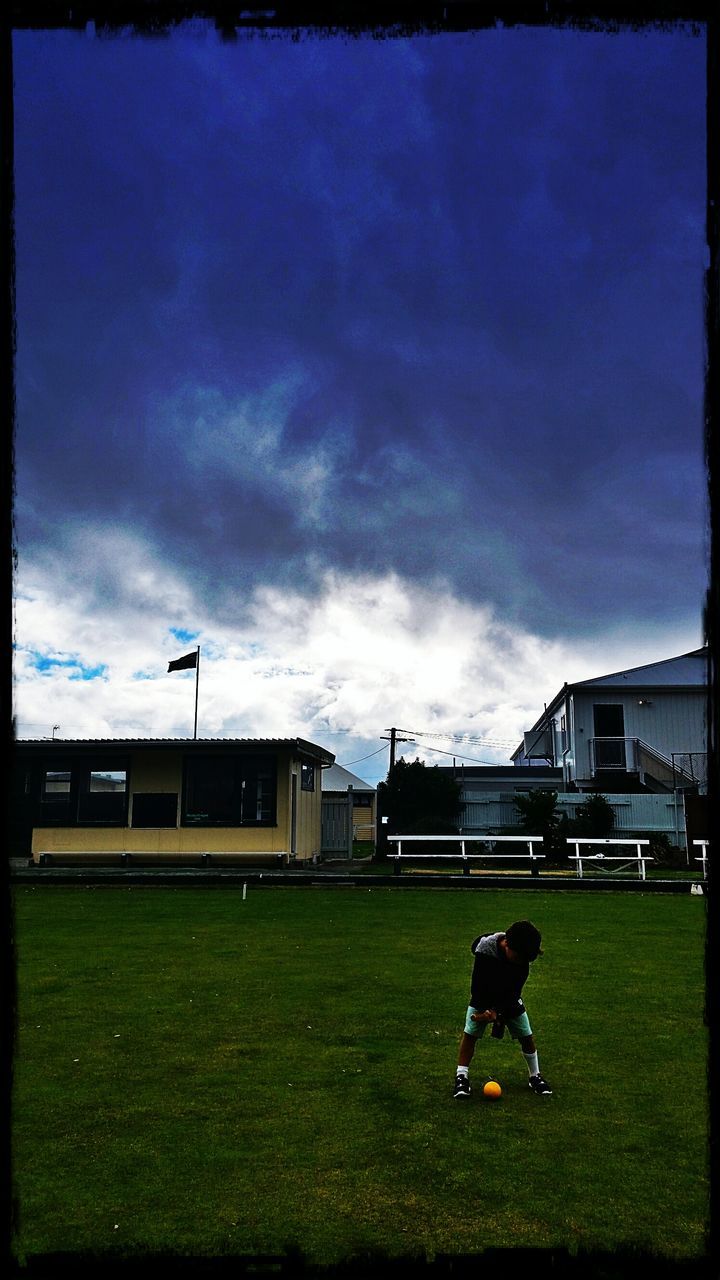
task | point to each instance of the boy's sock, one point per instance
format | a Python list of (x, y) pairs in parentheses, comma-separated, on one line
[(462, 1071), (532, 1062)]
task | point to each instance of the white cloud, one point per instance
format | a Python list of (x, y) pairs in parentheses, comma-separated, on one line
[(368, 653)]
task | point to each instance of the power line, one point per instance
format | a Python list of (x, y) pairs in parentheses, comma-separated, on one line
[(372, 753), (461, 737), (456, 756)]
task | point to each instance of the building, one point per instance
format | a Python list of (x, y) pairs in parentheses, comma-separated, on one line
[(252, 800), (638, 737), (639, 730), (348, 810)]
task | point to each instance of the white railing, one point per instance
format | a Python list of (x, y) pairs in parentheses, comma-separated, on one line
[(599, 859), (462, 853), (704, 846)]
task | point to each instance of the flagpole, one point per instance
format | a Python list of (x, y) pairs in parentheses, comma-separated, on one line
[(197, 683)]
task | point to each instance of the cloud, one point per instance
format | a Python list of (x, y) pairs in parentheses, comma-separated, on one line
[(315, 334), (340, 668)]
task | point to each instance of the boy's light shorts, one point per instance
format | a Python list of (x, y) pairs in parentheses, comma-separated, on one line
[(518, 1027)]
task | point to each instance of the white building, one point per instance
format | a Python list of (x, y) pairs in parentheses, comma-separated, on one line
[(639, 730)]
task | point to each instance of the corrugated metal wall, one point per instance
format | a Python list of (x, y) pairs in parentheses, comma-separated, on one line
[(666, 721), (641, 814)]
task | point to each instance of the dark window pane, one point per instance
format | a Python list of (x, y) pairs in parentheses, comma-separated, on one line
[(155, 809), (212, 791), (259, 789)]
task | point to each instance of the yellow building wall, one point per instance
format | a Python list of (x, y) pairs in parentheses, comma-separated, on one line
[(308, 817), (162, 772), (363, 819)]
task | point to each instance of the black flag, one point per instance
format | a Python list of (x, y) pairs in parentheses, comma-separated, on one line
[(184, 664)]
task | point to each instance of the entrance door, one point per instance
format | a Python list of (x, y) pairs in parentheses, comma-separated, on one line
[(609, 733)]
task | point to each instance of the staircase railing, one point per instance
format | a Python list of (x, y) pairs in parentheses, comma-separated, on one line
[(632, 755)]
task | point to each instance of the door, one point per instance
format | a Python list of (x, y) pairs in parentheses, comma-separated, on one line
[(335, 826), (293, 815), (609, 734)]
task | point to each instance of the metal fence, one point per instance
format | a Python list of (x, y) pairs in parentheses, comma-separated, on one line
[(641, 814)]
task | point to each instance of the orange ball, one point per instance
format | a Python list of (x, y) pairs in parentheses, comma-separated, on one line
[(492, 1089)]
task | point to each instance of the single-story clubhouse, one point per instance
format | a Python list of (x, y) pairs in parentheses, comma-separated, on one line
[(249, 800)]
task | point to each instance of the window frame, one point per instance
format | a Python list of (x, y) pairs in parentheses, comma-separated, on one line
[(70, 808), (243, 768)]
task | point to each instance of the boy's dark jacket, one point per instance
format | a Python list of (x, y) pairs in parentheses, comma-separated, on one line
[(496, 983)]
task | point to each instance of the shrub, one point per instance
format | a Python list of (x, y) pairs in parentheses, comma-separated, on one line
[(539, 816), (594, 819), (420, 800), (665, 853)]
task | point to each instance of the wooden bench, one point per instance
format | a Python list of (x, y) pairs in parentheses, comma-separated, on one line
[(159, 858), (242, 859), (531, 856), (703, 858), (599, 859)]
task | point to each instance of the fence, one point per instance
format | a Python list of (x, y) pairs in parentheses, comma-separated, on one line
[(640, 814)]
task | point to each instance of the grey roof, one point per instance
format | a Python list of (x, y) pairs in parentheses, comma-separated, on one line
[(301, 745), (689, 670), (336, 778), (686, 671)]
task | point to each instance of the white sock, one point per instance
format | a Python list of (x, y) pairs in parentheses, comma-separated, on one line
[(532, 1062), (463, 1071)]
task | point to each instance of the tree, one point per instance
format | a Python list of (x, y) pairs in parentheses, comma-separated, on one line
[(418, 800), (539, 816), (594, 819)]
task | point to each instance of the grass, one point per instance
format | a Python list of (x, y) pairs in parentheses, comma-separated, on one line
[(202, 1074)]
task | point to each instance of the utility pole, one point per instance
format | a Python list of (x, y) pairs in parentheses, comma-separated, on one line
[(393, 740)]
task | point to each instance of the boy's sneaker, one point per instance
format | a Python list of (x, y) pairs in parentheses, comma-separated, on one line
[(462, 1087), (539, 1086)]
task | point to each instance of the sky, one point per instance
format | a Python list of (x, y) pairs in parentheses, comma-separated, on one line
[(373, 367)]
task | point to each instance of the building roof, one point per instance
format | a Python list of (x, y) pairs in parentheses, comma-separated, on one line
[(336, 778), (689, 671), (514, 772), (300, 745)]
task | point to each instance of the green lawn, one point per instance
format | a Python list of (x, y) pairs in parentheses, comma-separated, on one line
[(202, 1074)]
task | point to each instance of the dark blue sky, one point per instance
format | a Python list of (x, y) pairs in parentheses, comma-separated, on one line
[(427, 306)]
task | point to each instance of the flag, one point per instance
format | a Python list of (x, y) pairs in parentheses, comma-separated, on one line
[(184, 664)]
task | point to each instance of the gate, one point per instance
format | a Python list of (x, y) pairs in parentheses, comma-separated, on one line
[(336, 834)]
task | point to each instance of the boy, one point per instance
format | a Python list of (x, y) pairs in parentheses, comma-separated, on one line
[(502, 964)]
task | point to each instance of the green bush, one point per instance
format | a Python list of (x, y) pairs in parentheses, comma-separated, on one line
[(665, 853), (594, 819), (539, 816)]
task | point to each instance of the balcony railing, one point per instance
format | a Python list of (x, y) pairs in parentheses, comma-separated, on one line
[(619, 754), (632, 755)]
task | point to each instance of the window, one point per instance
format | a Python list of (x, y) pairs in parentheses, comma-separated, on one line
[(230, 791), (55, 794), (102, 796), (307, 776), (83, 793), (259, 790), (56, 783), (154, 809), (212, 792)]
